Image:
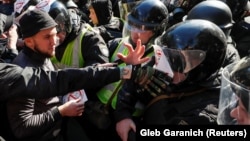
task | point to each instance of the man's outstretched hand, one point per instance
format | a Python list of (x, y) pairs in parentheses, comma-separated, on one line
[(134, 56)]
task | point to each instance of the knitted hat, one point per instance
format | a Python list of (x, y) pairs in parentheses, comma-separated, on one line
[(34, 21), (6, 22)]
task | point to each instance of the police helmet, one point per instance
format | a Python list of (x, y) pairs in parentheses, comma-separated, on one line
[(149, 15), (215, 11), (240, 76), (59, 13), (200, 38), (186, 5), (234, 103), (238, 8)]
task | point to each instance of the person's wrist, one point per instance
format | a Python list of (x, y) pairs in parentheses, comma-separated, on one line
[(56, 113), (61, 111)]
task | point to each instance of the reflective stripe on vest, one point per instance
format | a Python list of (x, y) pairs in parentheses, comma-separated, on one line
[(72, 56), (107, 91)]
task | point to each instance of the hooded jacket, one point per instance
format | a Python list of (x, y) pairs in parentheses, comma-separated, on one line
[(109, 26)]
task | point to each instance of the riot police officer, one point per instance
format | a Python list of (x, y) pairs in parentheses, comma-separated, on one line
[(240, 30), (178, 9), (192, 95), (220, 14), (234, 104), (141, 25)]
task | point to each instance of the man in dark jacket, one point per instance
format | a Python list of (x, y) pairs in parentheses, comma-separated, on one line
[(39, 118), (37, 83)]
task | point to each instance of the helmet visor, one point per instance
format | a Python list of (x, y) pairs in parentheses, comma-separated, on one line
[(141, 26), (234, 101), (139, 29), (135, 28), (171, 60)]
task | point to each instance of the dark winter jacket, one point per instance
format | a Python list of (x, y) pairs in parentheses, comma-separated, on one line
[(34, 118), (17, 82), (41, 116), (195, 105)]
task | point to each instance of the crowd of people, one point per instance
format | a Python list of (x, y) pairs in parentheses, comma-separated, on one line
[(83, 70)]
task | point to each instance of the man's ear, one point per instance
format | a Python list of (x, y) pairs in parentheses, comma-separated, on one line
[(29, 42)]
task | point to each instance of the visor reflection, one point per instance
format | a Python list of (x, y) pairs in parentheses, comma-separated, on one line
[(184, 61)]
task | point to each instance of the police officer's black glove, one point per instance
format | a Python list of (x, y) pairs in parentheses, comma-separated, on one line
[(152, 80)]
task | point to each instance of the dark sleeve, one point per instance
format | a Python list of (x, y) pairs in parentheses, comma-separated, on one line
[(94, 49), (126, 101), (26, 122), (37, 83), (7, 55)]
